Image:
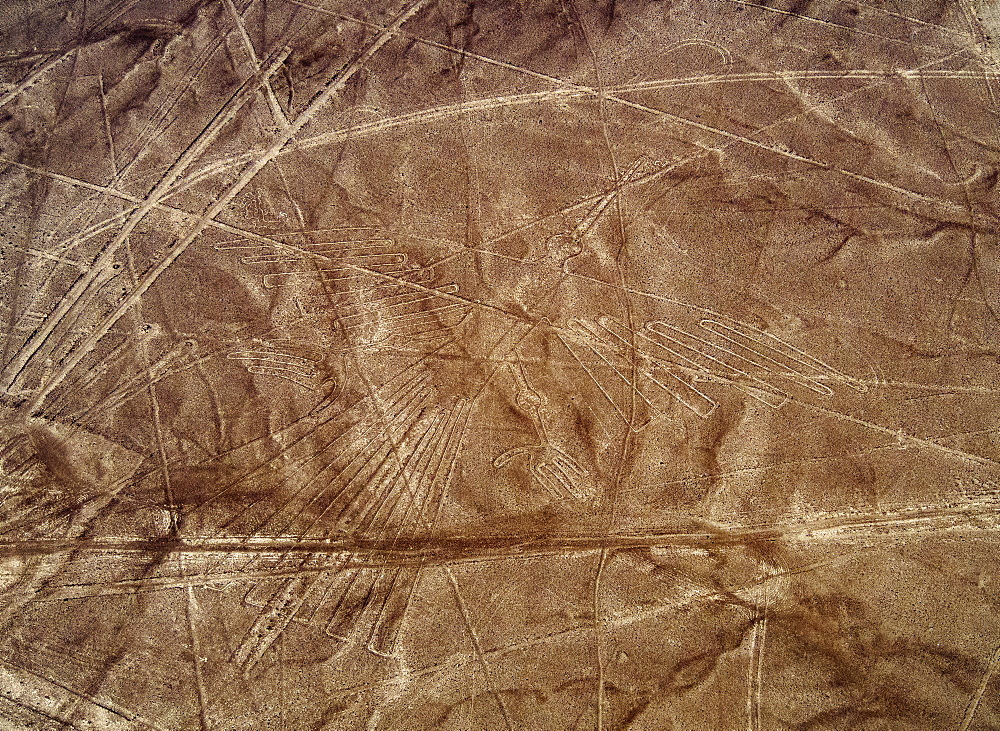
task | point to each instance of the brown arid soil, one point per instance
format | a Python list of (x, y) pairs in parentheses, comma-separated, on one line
[(499, 364)]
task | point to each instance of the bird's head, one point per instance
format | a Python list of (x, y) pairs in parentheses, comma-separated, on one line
[(562, 247)]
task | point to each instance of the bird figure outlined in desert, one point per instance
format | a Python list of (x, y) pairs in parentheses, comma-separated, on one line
[(411, 346)]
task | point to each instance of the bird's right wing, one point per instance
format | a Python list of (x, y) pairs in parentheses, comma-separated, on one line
[(680, 357)]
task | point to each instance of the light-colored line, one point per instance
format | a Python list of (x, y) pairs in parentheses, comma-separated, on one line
[(755, 664), (32, 78), (823, 21), (272, 101), (817, 528), (199, 680), (601, 701), (903, 437), (977, 698), (593, 378), (112, 154), (478, 648), (44, 255)]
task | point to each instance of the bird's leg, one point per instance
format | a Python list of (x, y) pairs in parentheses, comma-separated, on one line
[(555, 462)]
